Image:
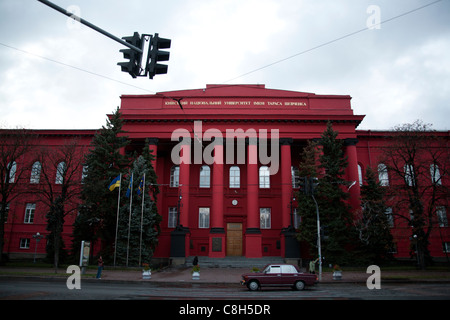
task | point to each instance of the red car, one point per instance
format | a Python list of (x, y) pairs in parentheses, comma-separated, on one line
[(278, 275)]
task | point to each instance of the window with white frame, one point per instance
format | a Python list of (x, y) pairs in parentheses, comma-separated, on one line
[(29, 213), (60, 172), (390, 217), (441, 213), (235, 177), (446, 247), (264, 217), (205, 177), (203, 217), (24, 243), (435, 175), (383, 176), (174, 176), (35, 172), (172, 219), (264, 177), (12, 167), (295, 173), (84, 173), (360, 175), (409, 174)]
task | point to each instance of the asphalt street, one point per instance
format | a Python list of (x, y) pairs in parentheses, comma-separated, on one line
[(98, 290)]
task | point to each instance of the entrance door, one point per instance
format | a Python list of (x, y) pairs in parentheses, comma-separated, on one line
[(234, 239)]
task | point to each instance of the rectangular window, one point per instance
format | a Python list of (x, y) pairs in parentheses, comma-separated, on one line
[(172, 221), (295, 177), (446, 247), (264, 215), (29, 213), (442, 216), (203, 217), (383, 176), (390, 217), (24, 243)]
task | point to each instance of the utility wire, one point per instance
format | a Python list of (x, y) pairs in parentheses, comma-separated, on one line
[(332, 41), (73, 67)]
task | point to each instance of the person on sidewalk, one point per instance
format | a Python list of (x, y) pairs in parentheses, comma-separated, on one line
[(312, 266), (100, 267)]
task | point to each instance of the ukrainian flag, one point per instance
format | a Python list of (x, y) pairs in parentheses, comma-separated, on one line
[(115, 183)]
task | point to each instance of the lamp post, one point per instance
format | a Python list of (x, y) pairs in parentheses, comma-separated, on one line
[(38, 238)]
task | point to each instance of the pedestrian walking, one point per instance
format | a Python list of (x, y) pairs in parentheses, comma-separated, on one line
[(100, 267)]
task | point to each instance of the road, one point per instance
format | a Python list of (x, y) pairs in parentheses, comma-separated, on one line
[(102, 290)]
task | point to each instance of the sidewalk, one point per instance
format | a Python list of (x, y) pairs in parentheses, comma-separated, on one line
[(216, 275)]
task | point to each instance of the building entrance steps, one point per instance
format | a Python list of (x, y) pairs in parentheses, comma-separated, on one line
[(233, 262)]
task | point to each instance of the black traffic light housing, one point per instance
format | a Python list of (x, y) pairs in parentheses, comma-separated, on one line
[(133, 66), (155, 55)]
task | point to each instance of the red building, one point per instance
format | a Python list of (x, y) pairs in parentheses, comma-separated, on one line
[(233, 198)]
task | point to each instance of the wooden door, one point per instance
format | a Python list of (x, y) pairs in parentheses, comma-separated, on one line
[(234, 239)]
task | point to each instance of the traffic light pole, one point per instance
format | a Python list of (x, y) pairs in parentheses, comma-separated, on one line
[(90, 25)]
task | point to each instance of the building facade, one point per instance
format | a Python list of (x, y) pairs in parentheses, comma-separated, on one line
[(226, 159)]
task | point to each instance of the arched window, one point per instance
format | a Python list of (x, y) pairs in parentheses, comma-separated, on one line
[(235, 177), (383, 176), (435, 175), (205, 177), (12, 167), (264, 177), (174, 176), (60, 172), (36, 172), (409, 174)]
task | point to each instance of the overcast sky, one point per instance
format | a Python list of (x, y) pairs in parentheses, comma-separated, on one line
[(396, 73)]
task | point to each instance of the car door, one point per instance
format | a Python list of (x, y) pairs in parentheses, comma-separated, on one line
[(289, 274), (272, 276)]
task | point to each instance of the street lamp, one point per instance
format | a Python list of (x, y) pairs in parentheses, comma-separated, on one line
[(38, 238)]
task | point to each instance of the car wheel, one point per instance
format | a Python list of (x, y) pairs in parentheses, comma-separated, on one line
[(253, 285), (299, 285)]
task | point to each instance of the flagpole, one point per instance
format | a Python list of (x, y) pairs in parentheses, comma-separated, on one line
[(117, 220), (129, 217), (142, 219)]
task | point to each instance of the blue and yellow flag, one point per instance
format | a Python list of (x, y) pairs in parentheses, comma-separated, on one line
[(129, 187), (115, 183), (141, 187)]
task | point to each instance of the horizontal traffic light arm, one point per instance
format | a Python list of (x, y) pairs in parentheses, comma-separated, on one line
[(90, 25)]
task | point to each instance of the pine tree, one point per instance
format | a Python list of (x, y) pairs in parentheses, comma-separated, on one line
[(133, 242), (337, 233), (373, 227), (335, 213), (104, 162)]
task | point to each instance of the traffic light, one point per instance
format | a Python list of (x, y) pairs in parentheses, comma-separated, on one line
[(133, 66), (155, 55), (308, 185)]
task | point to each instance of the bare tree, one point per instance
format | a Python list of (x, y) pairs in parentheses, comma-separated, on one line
[(61, 175), (14, 145), (417, 161)]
